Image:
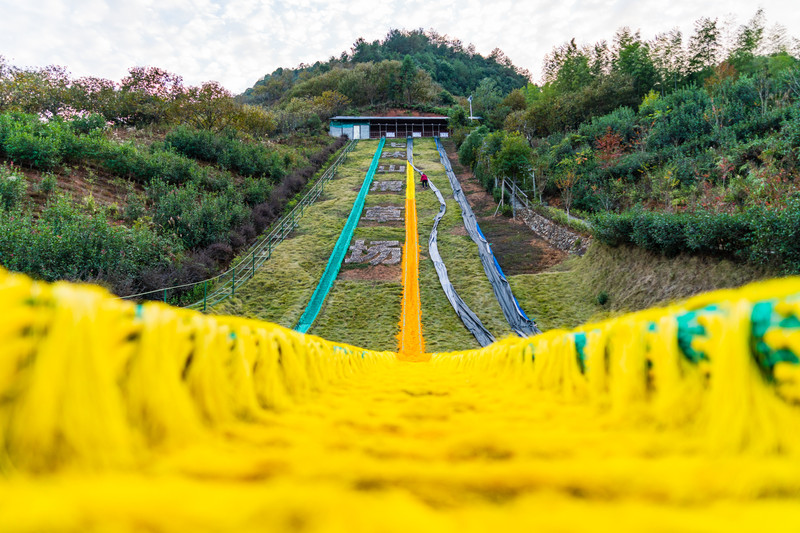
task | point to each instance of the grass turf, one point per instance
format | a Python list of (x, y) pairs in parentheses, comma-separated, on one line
[(282, 287)]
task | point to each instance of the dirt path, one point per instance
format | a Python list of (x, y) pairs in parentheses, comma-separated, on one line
[(517, 248)]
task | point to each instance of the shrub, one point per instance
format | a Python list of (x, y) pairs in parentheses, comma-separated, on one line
[(88, 123), (602, 298), (65, 242), (679, 118), (228, 152), (48, 184), (27, 148), (760, 235), (13, 187), (621, 121), (199, 218)]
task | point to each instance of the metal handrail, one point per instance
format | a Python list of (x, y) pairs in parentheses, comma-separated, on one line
[(516, 191), (260, 252)]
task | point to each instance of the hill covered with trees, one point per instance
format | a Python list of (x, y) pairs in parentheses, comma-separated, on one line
[(406, 67), (681, 144)]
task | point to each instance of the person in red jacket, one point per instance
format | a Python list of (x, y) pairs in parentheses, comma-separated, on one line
[(424, 180)]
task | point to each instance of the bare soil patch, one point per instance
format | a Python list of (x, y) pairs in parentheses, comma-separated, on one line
[(517, 248), (79, 182), (364, 223), (372, 273), (459, 230)]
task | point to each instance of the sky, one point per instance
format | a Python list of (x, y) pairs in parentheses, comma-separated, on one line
[(237, 42)]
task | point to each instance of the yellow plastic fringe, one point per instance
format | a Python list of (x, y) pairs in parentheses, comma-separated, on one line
[(411, 345), (115, 417)]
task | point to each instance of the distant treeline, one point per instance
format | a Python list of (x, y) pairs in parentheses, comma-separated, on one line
[(381, 72)]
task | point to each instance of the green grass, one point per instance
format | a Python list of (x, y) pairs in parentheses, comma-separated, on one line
[(442, 328), (632, 278), (366, 312), (282, 288)]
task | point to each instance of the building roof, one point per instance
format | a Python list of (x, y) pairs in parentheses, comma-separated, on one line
[(420, 119)]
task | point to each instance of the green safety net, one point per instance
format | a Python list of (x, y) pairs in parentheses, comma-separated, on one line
[(340, 250)]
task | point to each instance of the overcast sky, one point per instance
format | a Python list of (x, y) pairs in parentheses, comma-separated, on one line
[(236, 42)]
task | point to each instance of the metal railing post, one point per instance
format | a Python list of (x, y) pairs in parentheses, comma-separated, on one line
[(205, 294), (165, 295), (254, 266), (233, 281)]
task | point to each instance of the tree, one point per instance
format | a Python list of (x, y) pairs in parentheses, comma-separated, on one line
[(408, 73), (632, 58), (569, 177), (513, 160), (486, 101), (704, 47), (669, 59), (748, 42), (147, 94), (567, 68)]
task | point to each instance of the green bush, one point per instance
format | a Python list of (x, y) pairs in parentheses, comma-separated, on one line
[(621, 121), (13, 187), (228, 152), (64, 242), (602, 298), (27, 148), (48, 184), (198, 217), (256, 190), (680, 117), (88, 123), (764, 236)]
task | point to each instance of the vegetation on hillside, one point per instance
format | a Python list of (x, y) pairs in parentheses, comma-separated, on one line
[(703, 132), (143, 183), (407, 68)]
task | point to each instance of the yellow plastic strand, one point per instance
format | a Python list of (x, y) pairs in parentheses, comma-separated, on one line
[(120, 417), (412, 345)]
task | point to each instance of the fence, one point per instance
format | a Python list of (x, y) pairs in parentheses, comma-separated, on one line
[(211, 291)]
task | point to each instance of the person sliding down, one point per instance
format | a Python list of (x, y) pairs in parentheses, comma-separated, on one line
[(424, 179)]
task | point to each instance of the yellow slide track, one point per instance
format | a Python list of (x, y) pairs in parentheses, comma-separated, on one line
[(118, 417), (412, 344)]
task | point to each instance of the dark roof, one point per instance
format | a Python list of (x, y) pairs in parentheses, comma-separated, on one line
[(390, 118)]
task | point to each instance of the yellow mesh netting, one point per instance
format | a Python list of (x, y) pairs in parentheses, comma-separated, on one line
[(115, 417)]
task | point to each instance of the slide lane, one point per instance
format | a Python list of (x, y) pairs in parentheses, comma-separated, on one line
[(340, 250), (411, 344), (516, 317), (467, 316)]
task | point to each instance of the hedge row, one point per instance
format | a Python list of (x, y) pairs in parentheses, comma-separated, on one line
[(66, 242), (228, 152), (760, 235), (27, 140)]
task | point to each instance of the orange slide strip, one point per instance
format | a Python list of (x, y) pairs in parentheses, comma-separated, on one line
[(412, 345)]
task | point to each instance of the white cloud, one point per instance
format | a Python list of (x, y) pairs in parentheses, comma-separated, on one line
[(236, 42)]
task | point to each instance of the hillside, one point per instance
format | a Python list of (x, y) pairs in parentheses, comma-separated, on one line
[(140, 184), (678, 144), (408, 67)]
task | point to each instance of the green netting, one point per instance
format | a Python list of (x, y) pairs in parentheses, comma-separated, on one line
[(339, 251)]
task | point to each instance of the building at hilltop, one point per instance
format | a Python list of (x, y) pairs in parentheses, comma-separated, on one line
[(373, 127)]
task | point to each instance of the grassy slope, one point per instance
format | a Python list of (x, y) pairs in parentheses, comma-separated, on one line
[(443, 329), (364, 308), (632, 278), (366, 312), (283, 286)]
